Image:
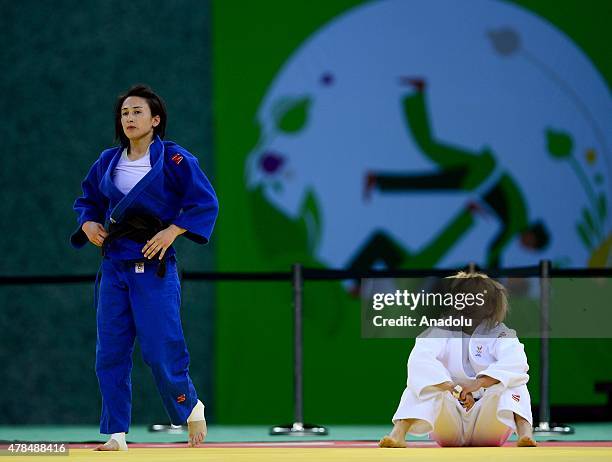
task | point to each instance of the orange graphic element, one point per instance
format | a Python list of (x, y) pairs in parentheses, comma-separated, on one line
[(591, 156)]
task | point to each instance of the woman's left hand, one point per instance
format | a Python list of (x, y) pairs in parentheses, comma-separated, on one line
[(161, 241), (468, 386)]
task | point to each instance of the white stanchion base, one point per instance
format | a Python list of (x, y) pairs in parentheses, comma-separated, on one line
[(168, 428), (548, 429), (298, 429)]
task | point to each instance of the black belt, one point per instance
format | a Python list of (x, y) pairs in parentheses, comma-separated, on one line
[(138, 228)]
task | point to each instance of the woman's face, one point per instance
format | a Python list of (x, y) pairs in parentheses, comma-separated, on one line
[(136, 118)]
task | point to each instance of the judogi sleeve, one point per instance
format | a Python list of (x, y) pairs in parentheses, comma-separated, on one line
[(91, 206), (199, 205), (510, 366), (425, 368)]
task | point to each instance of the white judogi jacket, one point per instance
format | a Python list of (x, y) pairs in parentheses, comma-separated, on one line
[(437, 357)]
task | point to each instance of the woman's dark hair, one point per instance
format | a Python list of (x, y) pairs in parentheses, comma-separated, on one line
[(156, 105)]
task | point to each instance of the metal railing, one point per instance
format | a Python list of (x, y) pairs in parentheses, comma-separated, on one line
[(298, 275)]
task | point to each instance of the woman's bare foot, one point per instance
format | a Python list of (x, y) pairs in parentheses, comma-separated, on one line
[(526, 442), (196, 422), (111, 445), (397, 437), (388, 442), (197, 432), (524, 432)]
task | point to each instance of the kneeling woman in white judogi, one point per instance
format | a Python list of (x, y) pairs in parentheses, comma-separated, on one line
[(467, 387)]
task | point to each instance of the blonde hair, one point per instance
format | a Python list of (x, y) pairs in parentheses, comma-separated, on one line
[(495, 308)]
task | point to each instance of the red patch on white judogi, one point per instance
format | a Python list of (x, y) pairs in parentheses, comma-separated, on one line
[(516, 398), (177, 158)]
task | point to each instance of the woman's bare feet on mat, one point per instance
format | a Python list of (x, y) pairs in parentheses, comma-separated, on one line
[(397, 437), (197, 432), (111, 445)]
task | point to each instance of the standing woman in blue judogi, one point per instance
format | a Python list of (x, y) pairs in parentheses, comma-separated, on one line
[(137, 199)]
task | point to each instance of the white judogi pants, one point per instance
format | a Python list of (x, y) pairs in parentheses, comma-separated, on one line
[(490, 422)]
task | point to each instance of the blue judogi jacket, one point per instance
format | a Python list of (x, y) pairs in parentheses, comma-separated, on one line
[(175, 190)]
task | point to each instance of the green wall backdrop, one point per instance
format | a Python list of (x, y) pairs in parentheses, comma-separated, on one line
[(63, 64), (347, 379)]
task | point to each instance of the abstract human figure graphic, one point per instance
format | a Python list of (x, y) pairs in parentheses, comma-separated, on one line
[(459, 170), (467, 152)]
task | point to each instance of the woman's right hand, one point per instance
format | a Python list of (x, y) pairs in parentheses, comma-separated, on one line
[(468, 402), (95, 232)]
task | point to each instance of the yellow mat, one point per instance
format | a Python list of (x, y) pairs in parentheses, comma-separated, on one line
[(556, 454)]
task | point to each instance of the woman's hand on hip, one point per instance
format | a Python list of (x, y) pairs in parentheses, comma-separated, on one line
[(161, 241), (95, 232)]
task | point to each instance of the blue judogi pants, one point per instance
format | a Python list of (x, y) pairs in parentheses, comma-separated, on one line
[(133, 304)]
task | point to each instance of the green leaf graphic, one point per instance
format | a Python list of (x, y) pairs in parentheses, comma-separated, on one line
[(588, 219), (295, 116), (602, 206), (583, 236)]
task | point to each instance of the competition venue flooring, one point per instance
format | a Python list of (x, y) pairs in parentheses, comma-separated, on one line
[(590, 442)]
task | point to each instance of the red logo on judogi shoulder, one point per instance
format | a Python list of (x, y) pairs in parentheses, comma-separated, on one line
[(177, 158), (181, 398), (516, 398)]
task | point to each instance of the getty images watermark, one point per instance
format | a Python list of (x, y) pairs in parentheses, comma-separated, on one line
[(405, 308), (437, 301), (469, 303)]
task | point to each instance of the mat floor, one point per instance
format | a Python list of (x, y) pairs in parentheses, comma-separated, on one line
[(590, 442)]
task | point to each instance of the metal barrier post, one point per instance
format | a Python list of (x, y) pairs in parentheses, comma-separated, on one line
[(544, 426), (298, 427)]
